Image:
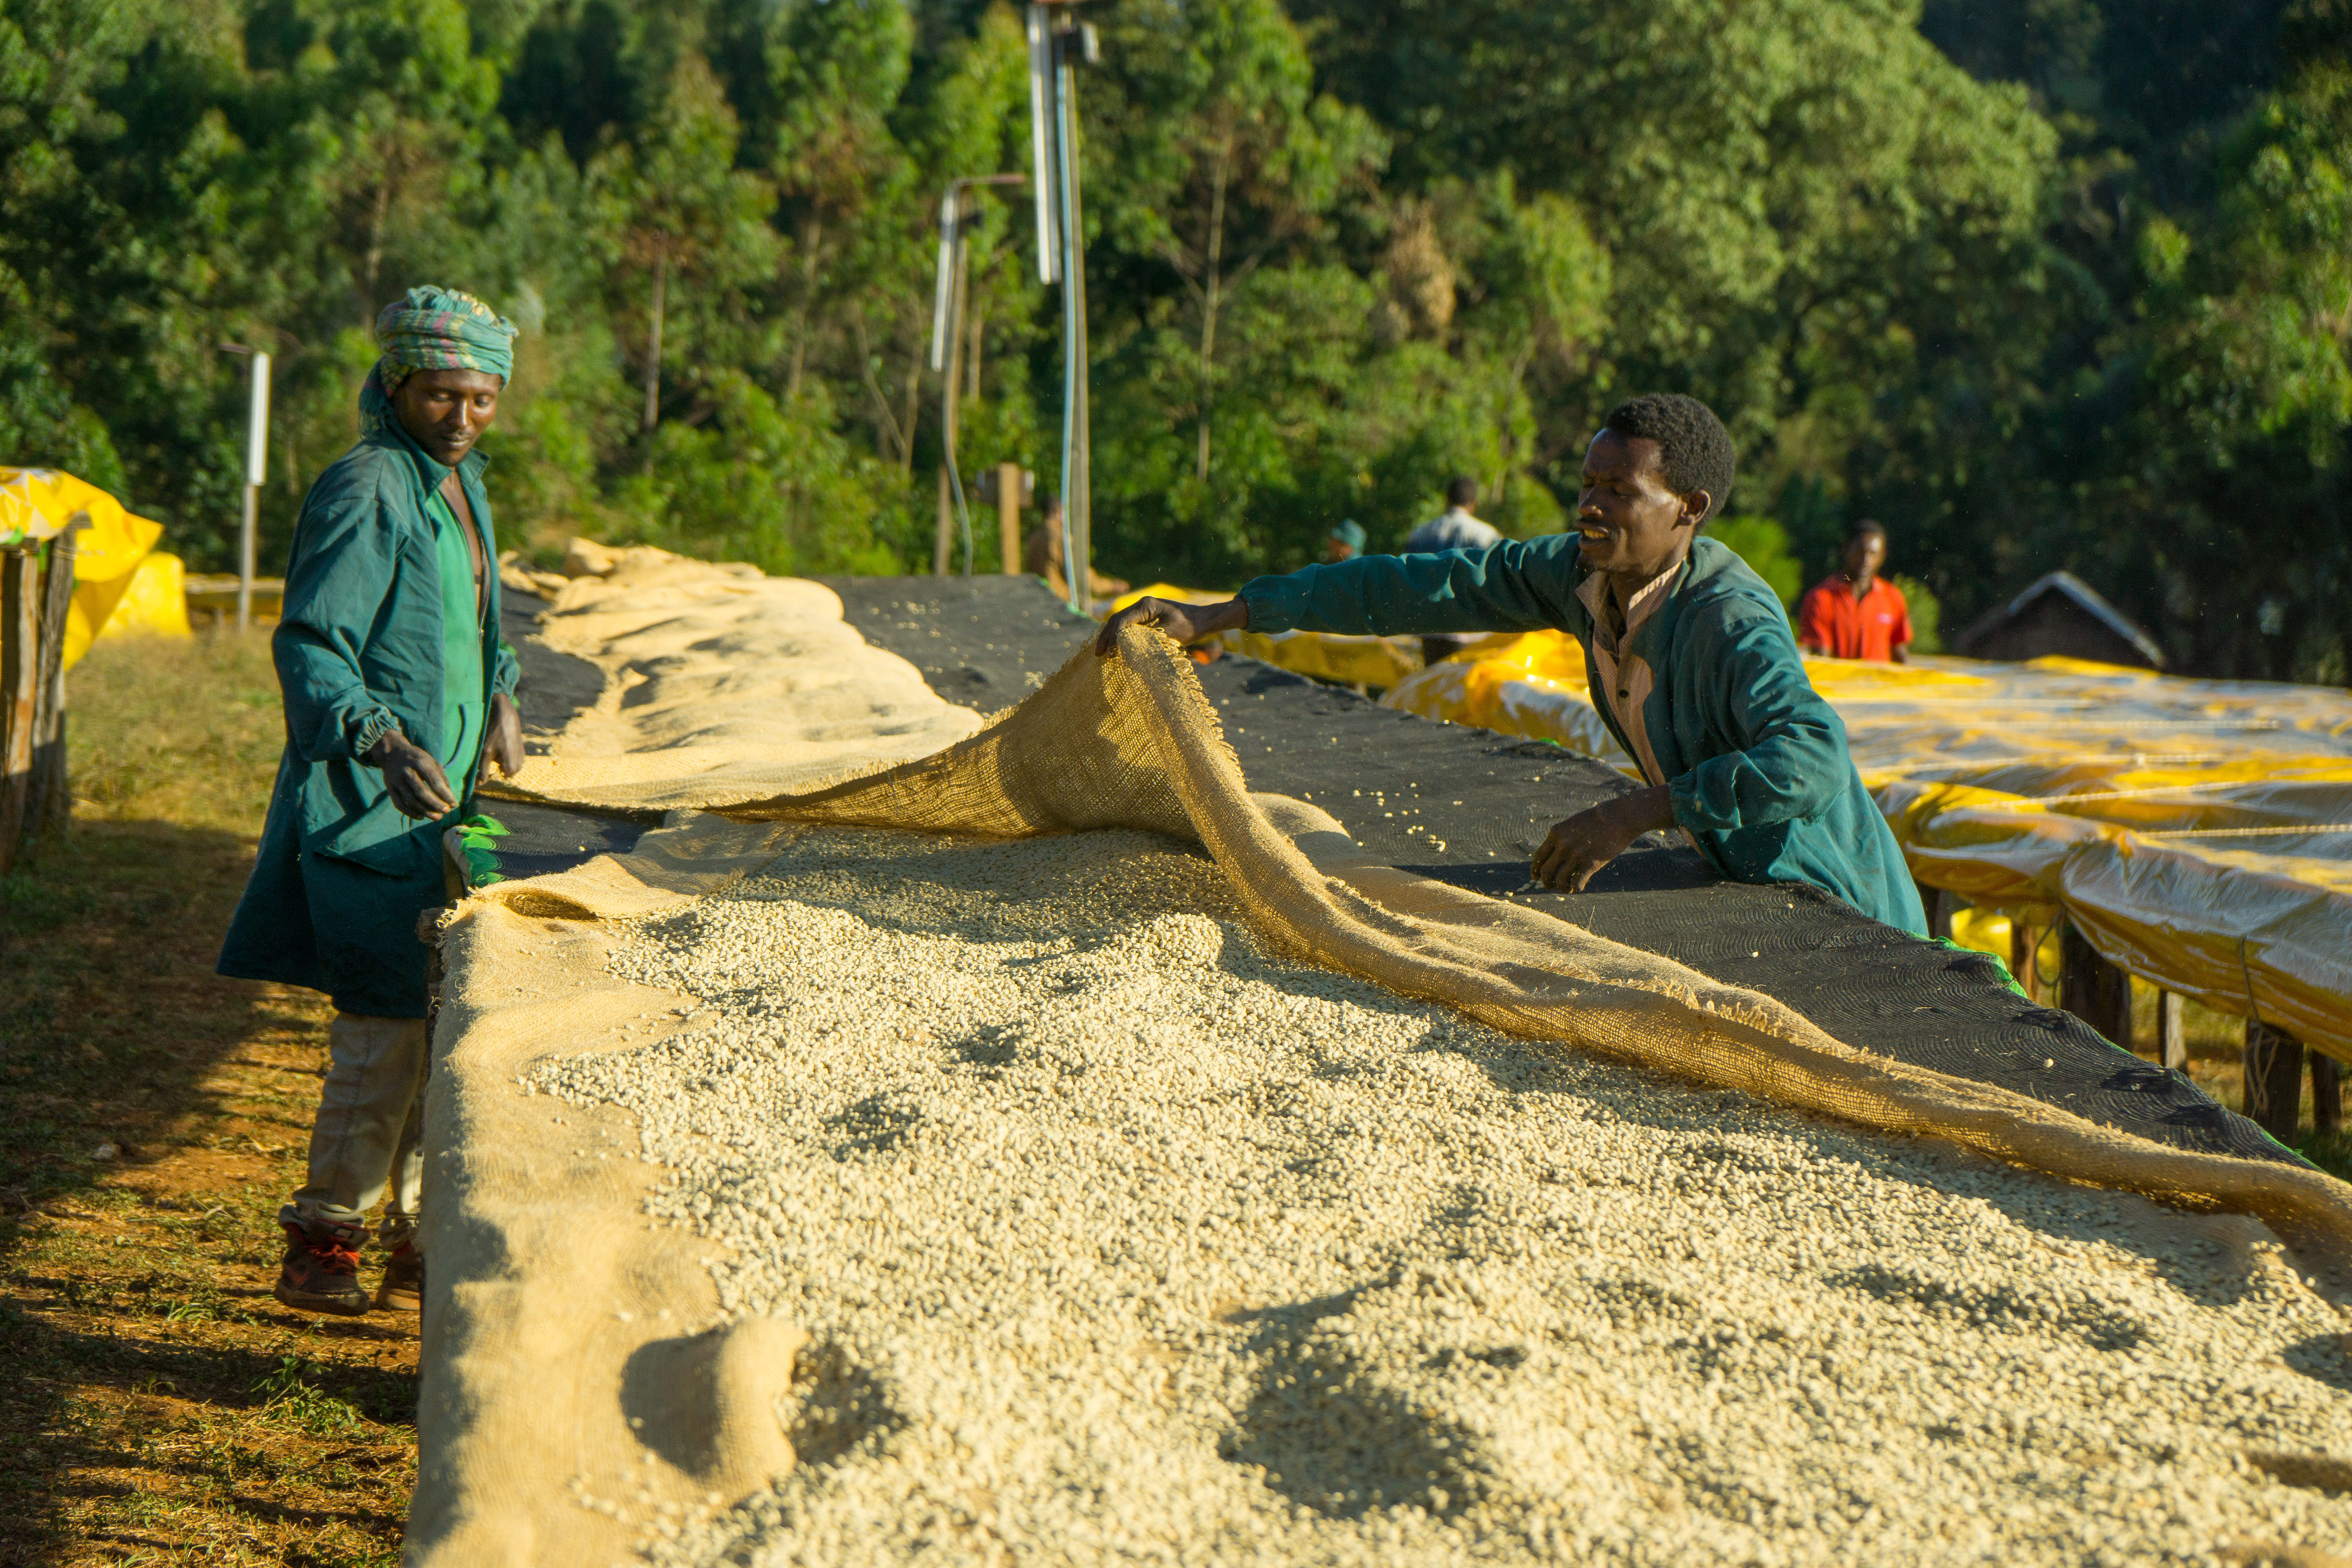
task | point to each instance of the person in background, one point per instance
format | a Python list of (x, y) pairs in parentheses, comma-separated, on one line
[(1694, 671), (397, 692), (1042, 557), (1345, 541), (1455, 528), (1853, 613)]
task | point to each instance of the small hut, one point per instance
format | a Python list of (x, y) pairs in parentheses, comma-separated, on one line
[(2060, 613)]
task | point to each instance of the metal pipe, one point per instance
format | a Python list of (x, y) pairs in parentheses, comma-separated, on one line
[(1040, 139), (1073, 564), (947, 344), (256, 469)]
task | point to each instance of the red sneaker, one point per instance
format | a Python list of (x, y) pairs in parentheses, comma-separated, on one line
[(320, 1274), (402, 1289)]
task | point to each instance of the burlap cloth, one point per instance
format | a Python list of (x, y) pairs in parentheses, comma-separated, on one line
[(567, 1409)]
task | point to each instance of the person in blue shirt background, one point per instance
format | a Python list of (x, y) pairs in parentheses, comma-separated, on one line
[(1691, 664)]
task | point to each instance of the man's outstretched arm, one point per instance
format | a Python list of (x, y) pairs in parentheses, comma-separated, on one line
[(1513, 586)]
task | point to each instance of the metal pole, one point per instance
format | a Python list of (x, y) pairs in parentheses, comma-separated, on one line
[(1074, 327), (948, 311), (1077, 504), (257, 469), (1041, 143)]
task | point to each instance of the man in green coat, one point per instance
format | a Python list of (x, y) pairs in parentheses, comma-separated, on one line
[(396, 688), (1693, 667)]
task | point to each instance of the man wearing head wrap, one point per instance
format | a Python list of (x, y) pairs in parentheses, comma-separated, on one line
[(397, 692)]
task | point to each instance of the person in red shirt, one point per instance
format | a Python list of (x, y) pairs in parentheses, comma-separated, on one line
[(1853, 613)]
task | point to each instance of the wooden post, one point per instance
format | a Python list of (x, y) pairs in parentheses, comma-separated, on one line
[(51, 801), (1008, 514), (941, 541), (19, 670), (2024, 941), (2091, 988), (2171, 1032), (2272, 1067), (2327, 1093), (1938, 905)]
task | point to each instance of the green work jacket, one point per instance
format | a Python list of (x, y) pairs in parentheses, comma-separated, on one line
[(375, 636), (1755, 760)]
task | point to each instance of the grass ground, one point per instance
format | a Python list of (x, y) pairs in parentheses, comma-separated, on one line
[(156, 1404)]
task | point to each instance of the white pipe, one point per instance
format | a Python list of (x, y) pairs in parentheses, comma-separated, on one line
[(1041, 131), (257, 469), (946, 269)]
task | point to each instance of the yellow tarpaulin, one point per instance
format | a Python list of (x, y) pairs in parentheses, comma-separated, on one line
[(155, 604), (35, 504), (2198, 833)]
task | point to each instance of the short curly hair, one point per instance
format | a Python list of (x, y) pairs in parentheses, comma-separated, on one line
[(1694, 448)]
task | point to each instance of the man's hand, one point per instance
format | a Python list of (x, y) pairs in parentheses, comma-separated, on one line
[(502, 741), (417, 784), (1577, 848), (1185, 623)]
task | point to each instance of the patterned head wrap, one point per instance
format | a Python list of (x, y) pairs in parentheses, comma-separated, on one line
[(435, 329)]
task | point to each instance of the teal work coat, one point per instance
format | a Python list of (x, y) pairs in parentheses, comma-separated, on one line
[(1755, 760), (368, 639)]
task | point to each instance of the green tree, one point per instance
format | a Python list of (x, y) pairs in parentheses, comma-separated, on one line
[(2244, 368), (692, 227)]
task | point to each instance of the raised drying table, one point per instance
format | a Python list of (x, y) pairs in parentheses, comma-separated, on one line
[(1468, 807)]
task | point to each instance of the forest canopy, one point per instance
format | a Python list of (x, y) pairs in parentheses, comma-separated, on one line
[(2035, 283)]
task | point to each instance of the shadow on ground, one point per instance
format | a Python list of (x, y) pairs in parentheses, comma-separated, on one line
[(155, 1398)]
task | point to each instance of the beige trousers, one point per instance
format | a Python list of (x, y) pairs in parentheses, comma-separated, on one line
[(366, 1137)]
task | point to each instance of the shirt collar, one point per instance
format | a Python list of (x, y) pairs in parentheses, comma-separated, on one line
[(430, 472), (1645, 603)]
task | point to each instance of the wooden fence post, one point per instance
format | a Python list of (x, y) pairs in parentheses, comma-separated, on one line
[(2023, 941), (1938, 905), (19, 649), (1008, 515), (2091, 988), (49, 801), (2273, 1080), (2171, 1031)]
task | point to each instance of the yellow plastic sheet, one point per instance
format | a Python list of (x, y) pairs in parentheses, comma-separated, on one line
[(155, 604), (35, 504), (2198, 833), (1347, 661)]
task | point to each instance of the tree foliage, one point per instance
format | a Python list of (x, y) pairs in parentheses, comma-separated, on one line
[(2037, 283)]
